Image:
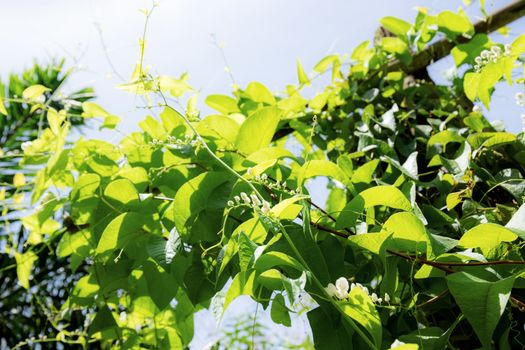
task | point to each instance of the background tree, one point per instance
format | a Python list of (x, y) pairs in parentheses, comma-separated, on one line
[(27, 313)]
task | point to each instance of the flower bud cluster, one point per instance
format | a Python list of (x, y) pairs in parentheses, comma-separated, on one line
[(265, 181), (492, 55), (342, 288), (251, 200), (176, 143)]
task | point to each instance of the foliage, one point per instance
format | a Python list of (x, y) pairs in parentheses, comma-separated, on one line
[(26, 313), (420, 241)]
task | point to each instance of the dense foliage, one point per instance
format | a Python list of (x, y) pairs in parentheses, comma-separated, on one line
[(420, 240), (25, 313)]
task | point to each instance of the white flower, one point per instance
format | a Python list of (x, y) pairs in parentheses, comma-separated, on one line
[(476, 109), (265, 208), (485, 54), (342, 287), (245, 198), (507, 49), (374, 298), (255, 200), (26, 145), (387, 298), (231, 204), (237, 199), (495, 49), (331, 290), (396, 344), (123, 316), (478, 60)]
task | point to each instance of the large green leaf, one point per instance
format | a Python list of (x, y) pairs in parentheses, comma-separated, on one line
[(193, 197), (481, 301), (360, 308), (257, 130), (389, 196), (120, 231), (487, 237)]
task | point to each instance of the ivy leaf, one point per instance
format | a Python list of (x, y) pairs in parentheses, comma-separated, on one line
[(279, 311), (481, 301), (257, 130)]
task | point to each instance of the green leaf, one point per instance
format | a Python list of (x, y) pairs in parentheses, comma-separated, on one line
[(389, 196), (222, 103), (301, 74), (394, 45), (489, 76), (487, 237), (327, 333), (454, 24), (325, 62), (361, 309), (481, 301), (279, 311), (122, 194), (271, 259), (315, 168), (120, 231), (257, 130), (409, 233), (193, 197), (471, 85), (259, 93), (91, 109), (242, 284), (396, 25), (286, 209), (34, 92), (2, 106), (246, 251), (271, 279), (24, 265)]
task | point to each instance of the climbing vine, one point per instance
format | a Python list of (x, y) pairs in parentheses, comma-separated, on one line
[(420, 241)]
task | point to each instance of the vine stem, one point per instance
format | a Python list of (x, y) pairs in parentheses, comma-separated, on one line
[(208, 149)]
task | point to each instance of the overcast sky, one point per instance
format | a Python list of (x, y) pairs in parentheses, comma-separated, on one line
[(262, 40)]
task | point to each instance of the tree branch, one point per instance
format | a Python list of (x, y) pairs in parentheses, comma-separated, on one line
[(442, 48)]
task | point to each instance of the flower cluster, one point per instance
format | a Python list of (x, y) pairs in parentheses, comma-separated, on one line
[(252, 201), (341, 289), (176, 143), (492, 55), (265, 181)]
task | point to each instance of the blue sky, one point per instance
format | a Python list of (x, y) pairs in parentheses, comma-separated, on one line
[(261, 38)]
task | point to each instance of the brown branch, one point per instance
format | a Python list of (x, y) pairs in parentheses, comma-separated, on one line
[(442, 48)]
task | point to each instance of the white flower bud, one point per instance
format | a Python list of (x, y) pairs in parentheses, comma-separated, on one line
[(26, 145), (249, 171), (231, 204), (387, 298), (476, 109), (485, 54), (245, 198), (374, 298), (478, 60), (265, 208), (237, 199), (396, 344), (495, 49), (331, 290), (342, 287), (255, 200)]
